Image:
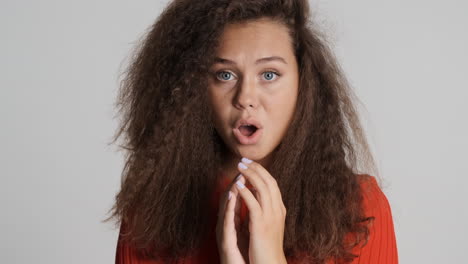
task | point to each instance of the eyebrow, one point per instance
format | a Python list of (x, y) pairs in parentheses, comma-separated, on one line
[(262, 60)]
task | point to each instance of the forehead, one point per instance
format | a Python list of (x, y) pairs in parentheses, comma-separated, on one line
[(254, 39)]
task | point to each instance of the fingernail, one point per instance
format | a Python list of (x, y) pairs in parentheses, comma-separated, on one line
[(230, 195), (242, 165), (238, 176), (246, 160), (240, 184)]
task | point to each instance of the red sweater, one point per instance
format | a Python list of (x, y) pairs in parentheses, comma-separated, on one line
[(380, 249)]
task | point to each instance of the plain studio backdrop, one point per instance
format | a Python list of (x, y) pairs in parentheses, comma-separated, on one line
[(60, 67)]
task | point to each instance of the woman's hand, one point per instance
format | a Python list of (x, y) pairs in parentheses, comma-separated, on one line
[(232, 239), (260, 239), (267, 214)]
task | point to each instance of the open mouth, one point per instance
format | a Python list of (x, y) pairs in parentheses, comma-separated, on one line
[(248, 134), (247, 130)]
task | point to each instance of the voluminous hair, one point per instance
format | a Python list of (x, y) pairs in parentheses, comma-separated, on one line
[(173, 151)]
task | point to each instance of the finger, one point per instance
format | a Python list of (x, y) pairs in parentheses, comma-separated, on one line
[(262, 192), (270, 182), (255, 210), (224, 197), (263, 173), (221, 209), (229, 215), (276, 197), (224, 201), (238, 202)]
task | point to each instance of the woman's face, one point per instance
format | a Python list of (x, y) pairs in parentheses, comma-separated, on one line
[(254, 78)]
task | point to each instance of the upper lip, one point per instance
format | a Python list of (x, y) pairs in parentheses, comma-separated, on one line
[(248, 121)]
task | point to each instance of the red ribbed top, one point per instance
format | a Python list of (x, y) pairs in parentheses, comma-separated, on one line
[(380, 249)]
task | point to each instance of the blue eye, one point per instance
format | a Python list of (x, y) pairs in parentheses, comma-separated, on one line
[(224, 74), (270, 74)]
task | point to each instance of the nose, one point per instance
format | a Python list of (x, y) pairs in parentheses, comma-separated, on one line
[(246, 95)]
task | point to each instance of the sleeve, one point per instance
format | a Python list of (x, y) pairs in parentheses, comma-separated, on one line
[(126, 254), (381, 247)]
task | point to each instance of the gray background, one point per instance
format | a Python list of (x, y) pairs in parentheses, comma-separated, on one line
[(60, 65)]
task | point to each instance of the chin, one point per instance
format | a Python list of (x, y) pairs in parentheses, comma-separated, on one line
[(252, 153)]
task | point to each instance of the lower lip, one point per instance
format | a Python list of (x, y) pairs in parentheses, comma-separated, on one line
[(248, 140)]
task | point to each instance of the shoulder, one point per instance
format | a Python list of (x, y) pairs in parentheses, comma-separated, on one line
[(375, 201), (381, 246)]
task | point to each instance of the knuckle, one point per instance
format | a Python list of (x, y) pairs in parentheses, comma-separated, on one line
[(253, 165), (273, 181), (283, 208)]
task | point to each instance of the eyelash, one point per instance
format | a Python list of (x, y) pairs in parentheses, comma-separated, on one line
[(217, 74)]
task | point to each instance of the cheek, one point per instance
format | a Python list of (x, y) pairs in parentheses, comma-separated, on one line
[(283, 103), (281, 110)]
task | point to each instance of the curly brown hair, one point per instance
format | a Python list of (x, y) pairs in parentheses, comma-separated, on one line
[(174, 152)]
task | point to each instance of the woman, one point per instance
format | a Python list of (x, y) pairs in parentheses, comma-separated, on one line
[(244, 145)]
